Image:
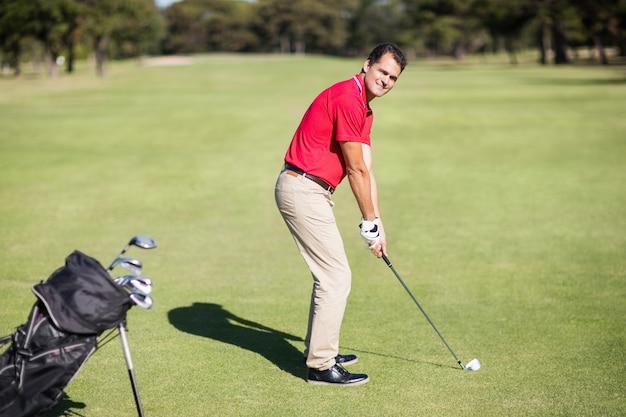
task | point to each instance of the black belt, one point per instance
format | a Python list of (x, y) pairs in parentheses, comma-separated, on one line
[(326, 186)]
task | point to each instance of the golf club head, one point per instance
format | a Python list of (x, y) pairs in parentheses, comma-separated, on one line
[(142, 300), (141, 284), (135, 283), (133, 265), (142, 241), (473, 365), (121, 281)]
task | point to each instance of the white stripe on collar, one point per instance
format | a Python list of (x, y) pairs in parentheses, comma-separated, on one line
[(358, 83), (356, 80)]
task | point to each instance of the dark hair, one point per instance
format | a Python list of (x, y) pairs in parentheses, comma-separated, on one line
[(385, 48)]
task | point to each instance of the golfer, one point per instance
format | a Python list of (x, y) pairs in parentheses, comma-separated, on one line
[(332, 142)]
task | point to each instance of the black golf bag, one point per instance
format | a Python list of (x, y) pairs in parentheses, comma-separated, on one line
[(74, 306)]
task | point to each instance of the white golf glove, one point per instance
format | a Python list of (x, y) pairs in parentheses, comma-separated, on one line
[(370, 232)]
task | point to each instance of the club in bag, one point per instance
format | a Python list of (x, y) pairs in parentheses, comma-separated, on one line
[(131, 370), (141, 299), (133, 265), (472, 365), (142, 242), (135, 282)]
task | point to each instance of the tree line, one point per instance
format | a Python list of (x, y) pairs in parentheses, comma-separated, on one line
[(43, 30)]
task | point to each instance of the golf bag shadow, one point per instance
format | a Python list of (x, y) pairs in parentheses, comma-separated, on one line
[(74, 306)]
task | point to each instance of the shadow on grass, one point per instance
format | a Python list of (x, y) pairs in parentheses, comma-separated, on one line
[(399, 358), (212, 321), (66, 408)]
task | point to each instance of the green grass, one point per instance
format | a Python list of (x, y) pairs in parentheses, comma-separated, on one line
[(503, 191)]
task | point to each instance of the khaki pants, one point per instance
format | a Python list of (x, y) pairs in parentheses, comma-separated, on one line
[(308, 212)]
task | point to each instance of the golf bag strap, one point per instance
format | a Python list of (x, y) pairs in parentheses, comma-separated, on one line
[(5, 339)]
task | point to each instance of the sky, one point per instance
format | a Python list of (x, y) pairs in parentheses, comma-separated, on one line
[(164, 3)]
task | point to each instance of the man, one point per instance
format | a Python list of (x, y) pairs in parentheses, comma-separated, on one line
[(332, 142)]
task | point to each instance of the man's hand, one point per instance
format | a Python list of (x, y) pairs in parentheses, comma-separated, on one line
[(373, 234), (370, 232)]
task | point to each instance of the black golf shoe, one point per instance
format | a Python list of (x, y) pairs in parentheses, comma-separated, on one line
[(343, 360), (336, 375)]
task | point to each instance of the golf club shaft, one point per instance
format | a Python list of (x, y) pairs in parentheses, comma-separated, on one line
[(129, 366), (388, 262), (123, 251)]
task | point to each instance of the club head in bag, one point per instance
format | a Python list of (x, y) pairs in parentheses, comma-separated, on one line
[(135, 282), (141, 284), (143, 242), (142, 300), (133, 265), (121, 281)]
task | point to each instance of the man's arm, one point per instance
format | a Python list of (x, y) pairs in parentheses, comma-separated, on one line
[(358, 159), (367, 157), (359, 176)]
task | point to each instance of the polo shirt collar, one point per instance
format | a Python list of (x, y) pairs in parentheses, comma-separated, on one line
[(360, 83)]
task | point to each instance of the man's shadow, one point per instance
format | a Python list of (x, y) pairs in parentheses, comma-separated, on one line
[(66, 408), (211, 320)]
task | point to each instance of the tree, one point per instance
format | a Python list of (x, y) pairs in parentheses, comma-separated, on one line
[(186, 28), (51, 22), (600, 19), (134, 21), (358, 30), (505, 21), (139, 31), (12, 15), (380, 22), (617, 27), (546, 16), (303, 25), (71, 14), (443, 26), (229, 27)]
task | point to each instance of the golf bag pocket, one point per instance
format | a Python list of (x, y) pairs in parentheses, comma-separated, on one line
[(40, 362)]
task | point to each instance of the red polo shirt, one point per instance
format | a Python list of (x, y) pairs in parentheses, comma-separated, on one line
[(339, 113)]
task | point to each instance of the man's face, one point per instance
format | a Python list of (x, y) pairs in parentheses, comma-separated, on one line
[(380, 76)]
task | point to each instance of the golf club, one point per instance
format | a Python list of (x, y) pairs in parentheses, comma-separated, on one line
[(135, 282), (143, 242), (141, 284), (131, 370), (142, 300), (472, 365), (133, 265)]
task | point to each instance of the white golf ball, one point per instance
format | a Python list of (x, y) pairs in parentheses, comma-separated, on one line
[(473, 365)]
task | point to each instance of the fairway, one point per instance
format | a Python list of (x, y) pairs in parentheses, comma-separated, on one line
[(502, 190)]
